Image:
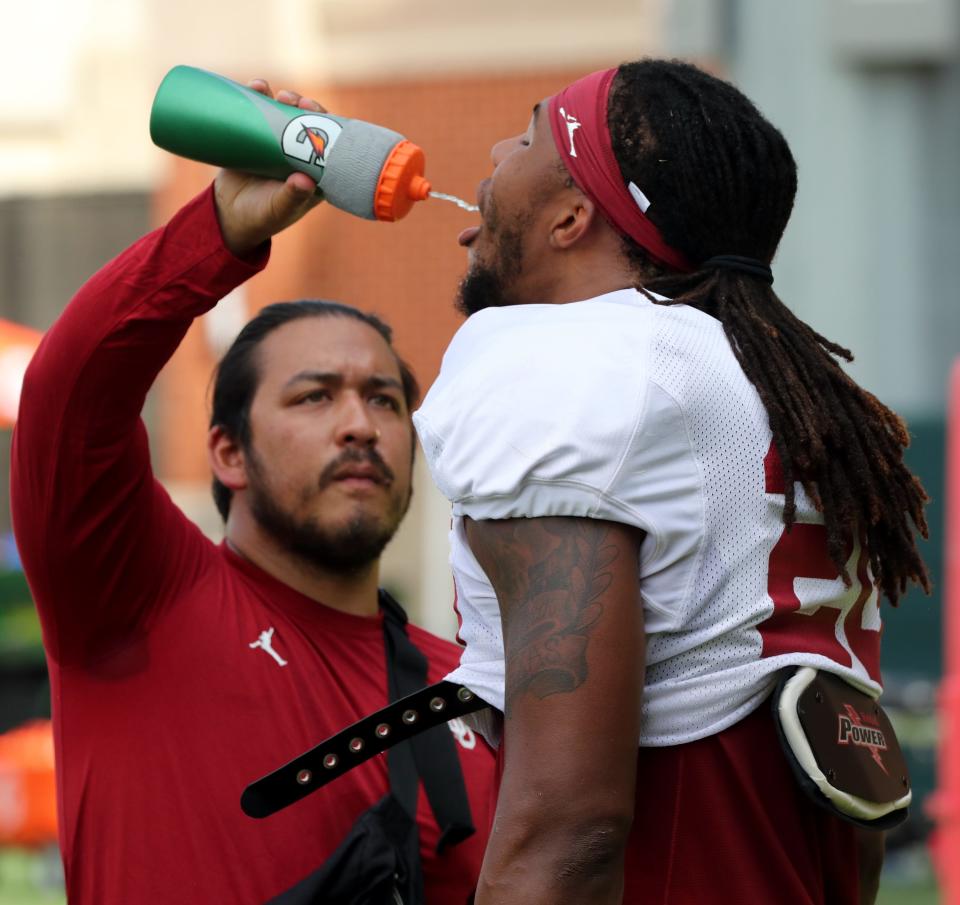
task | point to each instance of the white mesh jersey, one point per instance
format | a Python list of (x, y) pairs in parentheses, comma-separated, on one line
[(622, 409)]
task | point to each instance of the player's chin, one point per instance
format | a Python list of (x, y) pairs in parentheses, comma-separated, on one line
[(480, 288)]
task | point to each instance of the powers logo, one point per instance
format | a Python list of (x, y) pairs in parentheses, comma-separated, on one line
[(861, 729), (310, 137)]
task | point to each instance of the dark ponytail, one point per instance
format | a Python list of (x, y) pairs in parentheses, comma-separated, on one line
[(722, 181)]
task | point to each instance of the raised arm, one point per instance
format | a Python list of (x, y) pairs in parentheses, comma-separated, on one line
[(574, 642), (99, 538)]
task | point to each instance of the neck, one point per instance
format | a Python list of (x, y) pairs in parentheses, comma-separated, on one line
[(594, 267), (356, 593), (587, 284)]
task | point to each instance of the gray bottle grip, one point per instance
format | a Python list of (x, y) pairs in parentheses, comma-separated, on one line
[(354, 165)]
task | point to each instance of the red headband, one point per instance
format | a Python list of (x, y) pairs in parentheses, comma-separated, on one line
[(578, 119)]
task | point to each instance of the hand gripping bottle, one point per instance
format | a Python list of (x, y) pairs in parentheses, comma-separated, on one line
[(359, 167)]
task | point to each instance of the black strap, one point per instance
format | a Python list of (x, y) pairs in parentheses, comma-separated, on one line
[(434, 753), (401, 763), (421, 713), (356, 744)]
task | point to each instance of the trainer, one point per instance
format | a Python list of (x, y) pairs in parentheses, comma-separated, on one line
[(182, 670)]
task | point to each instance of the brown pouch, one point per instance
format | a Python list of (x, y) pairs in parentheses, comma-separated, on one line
[(842, 748)]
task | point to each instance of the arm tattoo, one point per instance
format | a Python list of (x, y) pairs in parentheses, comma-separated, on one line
[(550, 575)]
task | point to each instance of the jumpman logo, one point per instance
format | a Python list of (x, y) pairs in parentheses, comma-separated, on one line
[(265, 641), (572, 124)]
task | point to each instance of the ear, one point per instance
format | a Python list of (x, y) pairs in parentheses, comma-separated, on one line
[(227, 461), (573, 221)]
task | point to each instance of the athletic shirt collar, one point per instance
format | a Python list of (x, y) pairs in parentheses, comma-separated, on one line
[(299, 607)]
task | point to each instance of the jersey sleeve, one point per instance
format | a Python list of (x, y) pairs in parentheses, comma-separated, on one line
[(99, 538), (536, 410)]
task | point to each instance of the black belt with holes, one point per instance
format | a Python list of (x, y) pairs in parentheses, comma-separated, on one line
[(431, 706)]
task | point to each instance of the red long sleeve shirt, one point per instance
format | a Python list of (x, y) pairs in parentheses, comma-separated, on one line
[(163, 708)]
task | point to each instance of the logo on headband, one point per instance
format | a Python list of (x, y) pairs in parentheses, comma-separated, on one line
[(572, 124)]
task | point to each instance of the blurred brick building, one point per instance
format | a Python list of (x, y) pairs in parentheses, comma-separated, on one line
[(864, 91), (406, 272), (84, 179)]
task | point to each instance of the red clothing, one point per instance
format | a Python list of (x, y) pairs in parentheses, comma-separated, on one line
[(163, 708), (722, 820)]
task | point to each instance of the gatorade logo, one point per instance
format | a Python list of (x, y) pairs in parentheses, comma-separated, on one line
[(309, 138)]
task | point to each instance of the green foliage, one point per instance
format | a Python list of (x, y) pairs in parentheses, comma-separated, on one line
[(14, 590), (30, 877), (925, 894), (20, 639)]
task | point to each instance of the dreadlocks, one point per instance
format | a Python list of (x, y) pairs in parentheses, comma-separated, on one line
[(723, 181)]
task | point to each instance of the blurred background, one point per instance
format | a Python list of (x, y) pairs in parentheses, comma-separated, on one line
[(867, 93)]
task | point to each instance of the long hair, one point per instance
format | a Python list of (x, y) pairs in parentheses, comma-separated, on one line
[(723, 182), (236, 378)]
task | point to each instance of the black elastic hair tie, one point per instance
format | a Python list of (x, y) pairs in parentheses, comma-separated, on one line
[(740, 264)]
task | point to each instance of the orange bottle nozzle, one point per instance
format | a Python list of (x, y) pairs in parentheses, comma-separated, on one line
[(401, 182), (419, 188)]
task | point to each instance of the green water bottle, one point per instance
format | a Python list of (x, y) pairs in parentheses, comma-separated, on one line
[(359, 167)]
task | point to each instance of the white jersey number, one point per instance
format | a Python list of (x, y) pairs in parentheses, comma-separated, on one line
[(834, 628)]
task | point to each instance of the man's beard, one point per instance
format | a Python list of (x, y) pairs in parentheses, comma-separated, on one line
[(491, 285), (346, 549)]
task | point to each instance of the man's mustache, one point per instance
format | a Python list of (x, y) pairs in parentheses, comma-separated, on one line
[(368, 457)]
